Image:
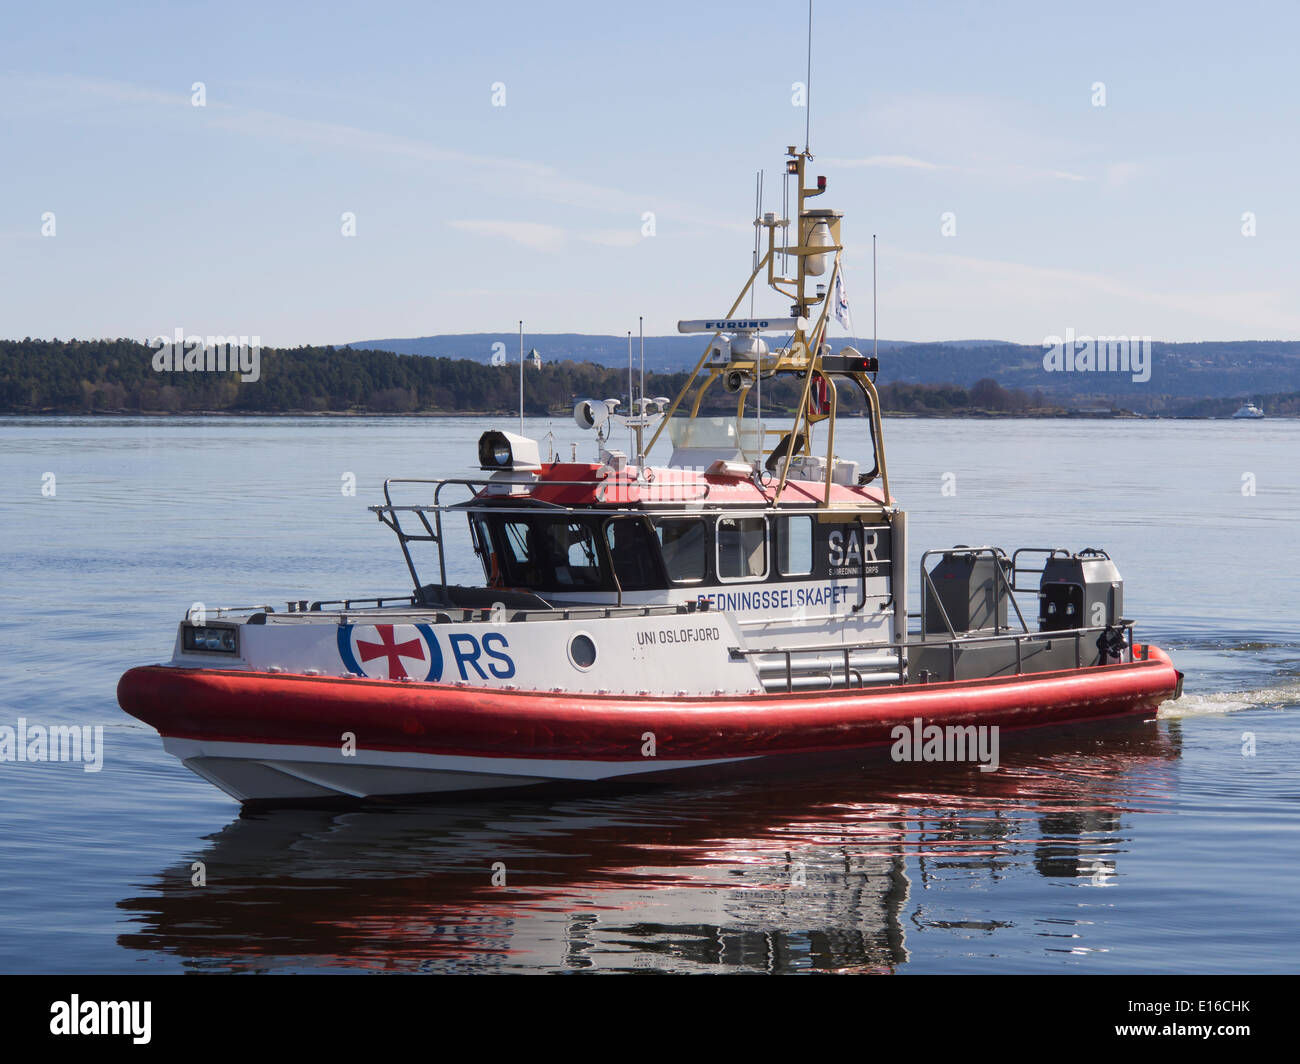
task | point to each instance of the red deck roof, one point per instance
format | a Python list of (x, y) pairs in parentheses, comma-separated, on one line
[(675, 487)]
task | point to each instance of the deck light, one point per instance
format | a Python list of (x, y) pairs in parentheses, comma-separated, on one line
[(218, 639)]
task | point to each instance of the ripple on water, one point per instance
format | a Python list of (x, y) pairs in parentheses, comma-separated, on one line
[(1134, 846)]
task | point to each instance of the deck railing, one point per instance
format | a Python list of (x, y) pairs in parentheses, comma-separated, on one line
[(799, 665)]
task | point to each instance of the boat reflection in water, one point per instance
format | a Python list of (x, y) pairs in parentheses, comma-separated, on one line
[(821, 873)]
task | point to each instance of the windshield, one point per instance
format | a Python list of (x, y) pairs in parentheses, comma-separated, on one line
[(536, 553)]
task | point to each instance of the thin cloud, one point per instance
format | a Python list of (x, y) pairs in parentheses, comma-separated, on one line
[(910, 162), (1059, 175), (894, 162), (988, 281), (614, 238), (539, 180), (533, 235), (1118, 174), (542, 237)]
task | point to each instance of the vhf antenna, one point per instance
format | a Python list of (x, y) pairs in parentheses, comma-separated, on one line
[(758, 214), (807, 118), (640, 425), (758, 356), (630, 410)]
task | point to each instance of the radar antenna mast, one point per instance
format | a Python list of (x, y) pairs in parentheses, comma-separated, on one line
[(806, 356)]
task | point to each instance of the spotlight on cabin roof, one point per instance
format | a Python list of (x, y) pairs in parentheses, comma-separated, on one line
[(505, 450)]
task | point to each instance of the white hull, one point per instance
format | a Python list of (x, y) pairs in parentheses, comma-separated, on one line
[(263, 772)]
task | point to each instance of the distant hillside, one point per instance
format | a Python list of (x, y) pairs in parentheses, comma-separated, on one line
[(118, 376), (663, 354), (78, 376), (1178, 373)]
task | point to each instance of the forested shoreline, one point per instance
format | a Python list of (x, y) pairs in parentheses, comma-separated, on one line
[(119, 377)]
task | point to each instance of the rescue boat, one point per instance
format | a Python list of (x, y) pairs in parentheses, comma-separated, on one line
[(741, 607)]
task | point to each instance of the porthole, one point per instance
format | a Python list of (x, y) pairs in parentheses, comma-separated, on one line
[(582, 651)]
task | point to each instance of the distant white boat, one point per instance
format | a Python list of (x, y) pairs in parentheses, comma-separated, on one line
[(1250, 410)]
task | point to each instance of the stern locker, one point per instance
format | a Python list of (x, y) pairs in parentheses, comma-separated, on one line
[(967, 589)]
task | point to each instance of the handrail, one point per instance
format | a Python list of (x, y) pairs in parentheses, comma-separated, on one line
[(952, 645), (1011, 597), (740, 509), (478, 483), (1125, 625), (862, 567), (320, 605), (483, 614), (226, 611), (943, 612), (1016, 570), (999, 557)]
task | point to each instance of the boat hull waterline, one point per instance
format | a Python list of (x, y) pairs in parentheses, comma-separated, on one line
[(264, 737), (740, 607)]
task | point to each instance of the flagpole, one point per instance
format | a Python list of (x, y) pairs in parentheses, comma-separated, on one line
[(521, 378)]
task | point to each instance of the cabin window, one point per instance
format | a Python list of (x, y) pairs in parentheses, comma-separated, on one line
[(539, 553), (520, 556), (795, 545), (632, 549), (742, 548), (486, 550), (684, 544), (572, 548)]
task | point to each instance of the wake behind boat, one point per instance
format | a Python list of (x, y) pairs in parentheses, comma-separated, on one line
[(741, 607)]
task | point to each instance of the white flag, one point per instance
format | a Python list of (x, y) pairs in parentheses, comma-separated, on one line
[(840, 298)]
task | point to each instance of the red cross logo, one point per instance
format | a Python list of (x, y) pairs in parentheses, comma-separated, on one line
[(389, 648)]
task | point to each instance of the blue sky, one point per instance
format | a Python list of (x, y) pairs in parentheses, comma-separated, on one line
[(1122, 219)]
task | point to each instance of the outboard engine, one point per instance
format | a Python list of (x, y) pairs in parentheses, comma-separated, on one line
[(1082, 590)]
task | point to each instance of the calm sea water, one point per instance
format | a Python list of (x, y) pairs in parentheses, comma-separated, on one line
[(1145, 846)]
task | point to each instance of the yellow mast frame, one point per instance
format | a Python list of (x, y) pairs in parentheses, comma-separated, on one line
[(803, 355)]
